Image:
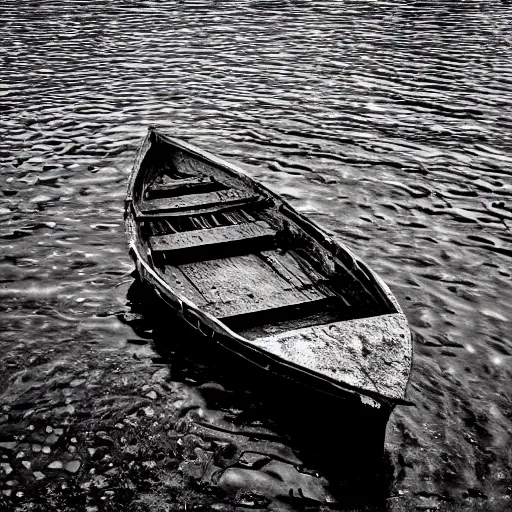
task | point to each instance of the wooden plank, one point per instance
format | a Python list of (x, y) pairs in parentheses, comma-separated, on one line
[(180, 282), (240, 285), (188, 164), (182, 186), (236, 315), (198, 201), (289, 269), (322, 282), (256, 205), (208, 238)]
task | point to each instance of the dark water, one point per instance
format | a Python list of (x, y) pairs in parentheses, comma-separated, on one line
[(389, 123)]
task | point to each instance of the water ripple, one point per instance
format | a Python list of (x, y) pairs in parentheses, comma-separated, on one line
[(388, 122)]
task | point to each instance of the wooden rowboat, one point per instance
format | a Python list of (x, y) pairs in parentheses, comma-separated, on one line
[(244, 268)]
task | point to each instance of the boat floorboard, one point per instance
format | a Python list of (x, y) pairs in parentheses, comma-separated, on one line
[(241, 285)]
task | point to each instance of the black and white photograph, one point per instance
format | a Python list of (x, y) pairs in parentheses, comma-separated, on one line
[(255, 255)]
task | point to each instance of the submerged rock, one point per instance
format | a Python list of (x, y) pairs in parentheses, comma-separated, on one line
[(6, 467), (73, 466), (51, 439)]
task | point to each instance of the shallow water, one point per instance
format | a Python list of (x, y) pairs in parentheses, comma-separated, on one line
[(389, 123)]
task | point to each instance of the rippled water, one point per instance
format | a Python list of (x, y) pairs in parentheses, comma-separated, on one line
[(389, 123)]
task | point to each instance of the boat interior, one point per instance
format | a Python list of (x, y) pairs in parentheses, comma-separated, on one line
[(240, 253)]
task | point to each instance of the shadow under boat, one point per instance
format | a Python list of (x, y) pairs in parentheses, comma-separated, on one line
[(268, 436)]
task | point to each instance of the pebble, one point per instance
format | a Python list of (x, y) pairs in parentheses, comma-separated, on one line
[(6, 467), (76, 382), (72, 449), (8, 445), (26, 463), (152, 395), (74, 440), (46, 449), (49, 429), (73, 466), (36, 438), (58, 431), (7, 492), (36, 448), (57, 464), (148, 411), (20, 455), (38, 475), (51, 439)]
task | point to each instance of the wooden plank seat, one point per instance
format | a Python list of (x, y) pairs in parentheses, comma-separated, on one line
[(250, 315), (189, 203), (248, 234), (258, 204), (183, 186)]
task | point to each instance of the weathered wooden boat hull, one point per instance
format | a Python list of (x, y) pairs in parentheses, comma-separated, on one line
[(362, 358)]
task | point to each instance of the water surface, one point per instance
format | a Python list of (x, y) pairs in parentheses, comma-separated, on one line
[(389, 123)]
